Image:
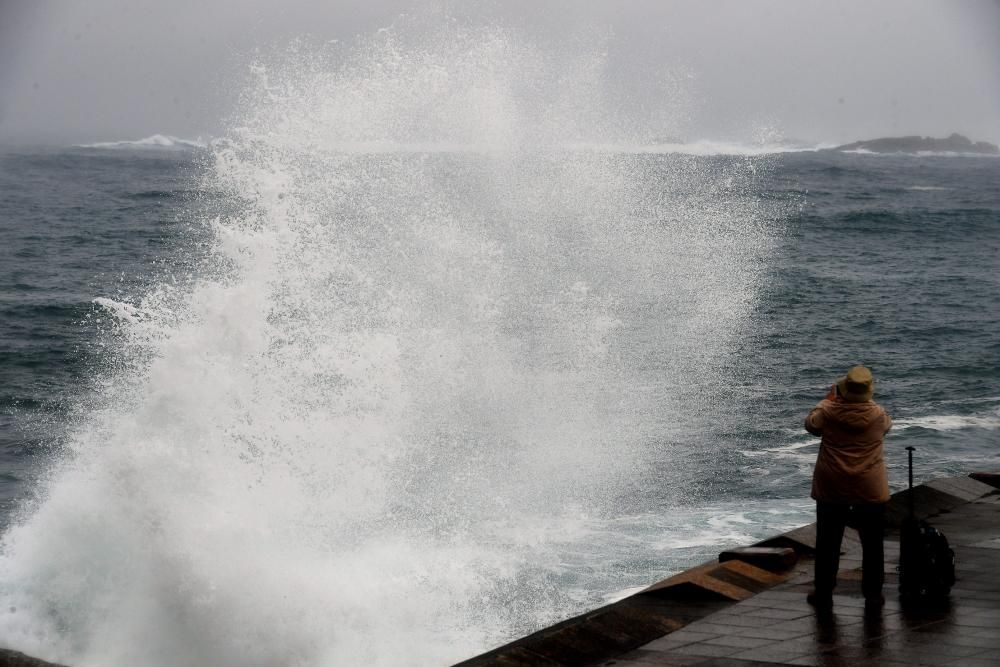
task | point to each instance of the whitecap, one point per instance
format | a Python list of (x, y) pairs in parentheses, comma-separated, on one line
[(792, 450), (155, 141), (950, 422), (701, 148), (862, 151)]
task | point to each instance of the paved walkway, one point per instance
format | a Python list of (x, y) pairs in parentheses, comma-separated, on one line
[(777, 626)]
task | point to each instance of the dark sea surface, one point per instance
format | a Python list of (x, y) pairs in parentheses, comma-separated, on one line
[(889, 261), (892, 261), (75, 224)]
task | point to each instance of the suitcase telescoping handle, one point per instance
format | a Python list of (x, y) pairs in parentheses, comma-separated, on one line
[(909, 454)]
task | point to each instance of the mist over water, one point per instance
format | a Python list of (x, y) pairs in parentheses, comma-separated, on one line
[(433, 340)]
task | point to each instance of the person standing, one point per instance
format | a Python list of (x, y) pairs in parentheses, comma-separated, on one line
[(850, 484)]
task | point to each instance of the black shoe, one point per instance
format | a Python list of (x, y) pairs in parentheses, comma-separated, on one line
[(820, 600), (876, 601)]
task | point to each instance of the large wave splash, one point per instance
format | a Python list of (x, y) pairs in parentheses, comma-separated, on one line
[(430, 348)]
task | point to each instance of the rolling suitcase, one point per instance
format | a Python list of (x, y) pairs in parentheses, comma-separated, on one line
[(926, 562)]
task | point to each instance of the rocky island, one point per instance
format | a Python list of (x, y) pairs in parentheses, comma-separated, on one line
[(956, 143)]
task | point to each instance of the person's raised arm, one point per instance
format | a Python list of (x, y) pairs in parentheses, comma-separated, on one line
[(814, 421)]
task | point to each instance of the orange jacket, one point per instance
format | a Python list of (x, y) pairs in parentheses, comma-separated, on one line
[(850, 467)]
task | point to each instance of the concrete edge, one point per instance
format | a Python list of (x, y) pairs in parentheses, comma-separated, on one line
[(668, 605)]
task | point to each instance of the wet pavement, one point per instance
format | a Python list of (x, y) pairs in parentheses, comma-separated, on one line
[(777, 626)]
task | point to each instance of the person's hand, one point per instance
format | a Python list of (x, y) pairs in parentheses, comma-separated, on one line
[(832, 394)]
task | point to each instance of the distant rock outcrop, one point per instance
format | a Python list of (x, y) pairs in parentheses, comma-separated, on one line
[(955, 143), (9, 658)]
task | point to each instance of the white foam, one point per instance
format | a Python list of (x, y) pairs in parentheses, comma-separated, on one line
[(121, 310), (705, 148), (955, 154), (917, 154), (727, 525), (156, 141), (804, 447), (950, 422)]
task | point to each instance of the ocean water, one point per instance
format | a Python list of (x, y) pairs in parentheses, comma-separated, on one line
[(338, 389)]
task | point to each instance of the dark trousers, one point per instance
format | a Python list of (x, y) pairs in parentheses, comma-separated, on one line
[(868, 519)]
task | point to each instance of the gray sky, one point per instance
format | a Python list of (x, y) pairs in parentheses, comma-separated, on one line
[(814, 70)]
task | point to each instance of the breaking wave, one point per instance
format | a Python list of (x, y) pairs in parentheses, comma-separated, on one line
[(156, 141), (407, 385), (705, 148), (919, 154)]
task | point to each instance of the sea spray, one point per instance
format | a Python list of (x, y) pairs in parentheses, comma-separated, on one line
[(436, 343)]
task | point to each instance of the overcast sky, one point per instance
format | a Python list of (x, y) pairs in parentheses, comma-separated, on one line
[(815, 70)]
